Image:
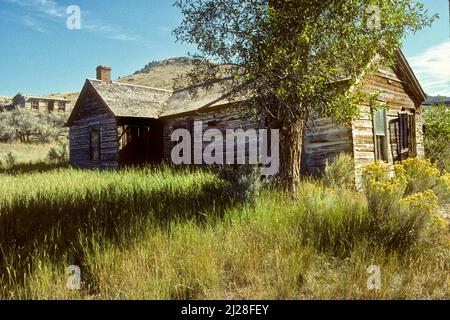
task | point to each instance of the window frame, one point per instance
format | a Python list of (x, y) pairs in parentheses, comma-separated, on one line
[(35, 104), (95, 149), (61, 106), (380, 141), (407, 134)]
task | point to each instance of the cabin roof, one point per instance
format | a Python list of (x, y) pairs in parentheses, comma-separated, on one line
[(127, 100), (33, 97), (197, 98)]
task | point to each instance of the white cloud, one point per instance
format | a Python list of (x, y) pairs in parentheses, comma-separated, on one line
[(47, 7), (39, 10), (432, 68), (110, 32), (34, 24)]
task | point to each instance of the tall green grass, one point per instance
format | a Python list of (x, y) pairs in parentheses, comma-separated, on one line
[(160, 234)]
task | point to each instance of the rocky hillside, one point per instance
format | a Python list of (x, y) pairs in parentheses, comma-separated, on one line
[(160, 74), (157, 74)]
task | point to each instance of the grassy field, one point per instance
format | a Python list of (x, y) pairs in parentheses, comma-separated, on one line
[(25, 152), (160, 234)]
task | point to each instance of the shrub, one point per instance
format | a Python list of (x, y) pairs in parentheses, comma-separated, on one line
[(11, 158), (31, 126), (243, 182), (437, 135), (7, 130), (394, 221), (423, 175), (59, 153), (340, 173), (383, 187)]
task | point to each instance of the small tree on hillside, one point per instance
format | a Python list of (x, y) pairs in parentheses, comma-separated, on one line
[(25, 123), (7, 131), (285, 54)]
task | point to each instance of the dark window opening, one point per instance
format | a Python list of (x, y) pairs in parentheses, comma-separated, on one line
[(95, 144), (35, 104), (61, 106), (407, 145)]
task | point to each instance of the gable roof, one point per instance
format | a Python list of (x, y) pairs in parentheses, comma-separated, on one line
[(205, 96), (128, 100), (417, 89)]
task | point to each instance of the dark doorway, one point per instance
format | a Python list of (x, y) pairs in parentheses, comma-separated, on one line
[(51, 106), (141, 141)]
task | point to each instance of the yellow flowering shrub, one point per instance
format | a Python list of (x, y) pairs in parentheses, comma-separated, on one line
[(421, 175), (383, 186), (403, 199)]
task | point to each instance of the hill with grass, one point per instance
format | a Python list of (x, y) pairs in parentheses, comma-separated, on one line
[(160, 74), (157, 74)]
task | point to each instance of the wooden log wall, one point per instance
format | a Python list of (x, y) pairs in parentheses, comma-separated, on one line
[(323, 141), (94, 115), (395, 92), (220, 118)]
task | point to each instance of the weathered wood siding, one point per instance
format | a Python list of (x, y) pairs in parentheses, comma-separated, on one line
[(94, 115), (323, 141), (395, 92), (220, 118)]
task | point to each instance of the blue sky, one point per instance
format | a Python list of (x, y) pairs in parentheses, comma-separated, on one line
[(40, 55)]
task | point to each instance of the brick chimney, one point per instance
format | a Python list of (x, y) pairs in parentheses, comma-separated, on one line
[(104, 73)]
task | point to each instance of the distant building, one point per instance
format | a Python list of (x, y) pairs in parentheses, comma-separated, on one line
[(437, 100), (42, 104)]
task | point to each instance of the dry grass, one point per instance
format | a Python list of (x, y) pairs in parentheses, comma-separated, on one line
[(167, 235), (25, 152)]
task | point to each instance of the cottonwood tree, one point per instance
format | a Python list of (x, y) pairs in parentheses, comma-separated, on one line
[(289, 57)]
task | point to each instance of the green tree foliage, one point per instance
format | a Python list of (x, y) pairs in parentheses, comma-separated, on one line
[(30, 126), (290, 57), (437, 135)]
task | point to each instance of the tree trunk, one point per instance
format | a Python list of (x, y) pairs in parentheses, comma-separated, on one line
[(291, 140)]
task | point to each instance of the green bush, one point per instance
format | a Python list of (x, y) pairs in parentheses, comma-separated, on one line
[(395, 221), (423, 175), (437, 135), (242, 182), (11, 158), (31, 126), (340, 173), (59, 153)]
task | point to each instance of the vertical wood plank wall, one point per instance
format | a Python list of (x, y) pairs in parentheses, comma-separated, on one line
[(395, 92), (222, 119), (94, 114)]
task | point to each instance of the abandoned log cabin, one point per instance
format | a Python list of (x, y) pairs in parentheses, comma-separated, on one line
[(114, 124), (37, 103)]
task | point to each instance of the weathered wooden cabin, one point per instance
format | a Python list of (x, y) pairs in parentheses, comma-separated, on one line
[(115, 124), (43, 104)]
